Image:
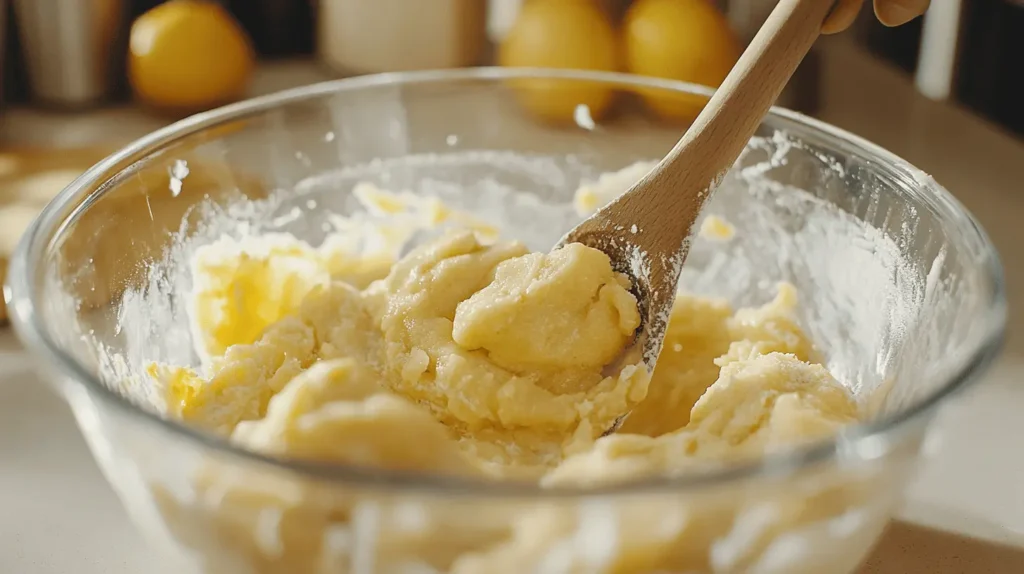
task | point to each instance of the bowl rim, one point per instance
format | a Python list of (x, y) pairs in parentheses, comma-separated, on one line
[(870, 440)]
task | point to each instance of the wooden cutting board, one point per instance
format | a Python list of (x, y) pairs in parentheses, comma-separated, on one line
[(29, 179)]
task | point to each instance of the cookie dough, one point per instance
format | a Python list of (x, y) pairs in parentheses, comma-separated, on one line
[(471, 357), (505, 350)]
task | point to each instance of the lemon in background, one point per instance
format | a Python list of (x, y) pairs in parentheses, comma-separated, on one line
[(687, 40), (188, 56), (575, 34)]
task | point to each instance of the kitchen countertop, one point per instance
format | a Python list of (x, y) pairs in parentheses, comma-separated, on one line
[(974, 483)]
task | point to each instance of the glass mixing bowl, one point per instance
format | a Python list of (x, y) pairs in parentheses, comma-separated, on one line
[(900, 288)]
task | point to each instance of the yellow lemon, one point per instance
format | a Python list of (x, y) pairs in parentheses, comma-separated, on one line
[(574, 34), (189, 55), (688, 40)]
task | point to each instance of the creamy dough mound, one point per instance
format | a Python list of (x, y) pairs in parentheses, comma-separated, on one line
[(455, 315), (551, 312), (756, 406), (337, 411)]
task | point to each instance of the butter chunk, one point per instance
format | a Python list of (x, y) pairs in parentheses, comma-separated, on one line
[(240, 288)]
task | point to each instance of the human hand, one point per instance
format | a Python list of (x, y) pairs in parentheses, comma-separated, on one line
[(889, 12)]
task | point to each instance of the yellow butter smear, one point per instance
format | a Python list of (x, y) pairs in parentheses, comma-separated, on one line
[(470, 356)]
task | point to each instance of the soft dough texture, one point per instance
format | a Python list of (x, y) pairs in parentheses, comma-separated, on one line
[(476, 359), (494, 358), (439, 335)]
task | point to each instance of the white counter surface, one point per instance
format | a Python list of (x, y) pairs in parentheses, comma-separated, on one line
[(58, 516)]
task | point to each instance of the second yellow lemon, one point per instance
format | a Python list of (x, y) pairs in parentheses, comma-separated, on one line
[(189, 55), (574, 34), (687, 40)]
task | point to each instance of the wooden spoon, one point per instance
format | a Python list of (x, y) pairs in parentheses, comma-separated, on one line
[(646, 231)]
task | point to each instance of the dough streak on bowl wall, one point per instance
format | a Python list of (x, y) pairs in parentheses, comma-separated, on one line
[(415, 334)]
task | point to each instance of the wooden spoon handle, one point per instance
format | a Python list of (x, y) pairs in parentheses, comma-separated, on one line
[(720, 132), (732, 116)]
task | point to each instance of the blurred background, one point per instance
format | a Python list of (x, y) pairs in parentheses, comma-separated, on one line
[(186, 55)]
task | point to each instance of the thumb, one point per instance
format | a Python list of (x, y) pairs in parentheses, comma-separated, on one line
[(899, 12)]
